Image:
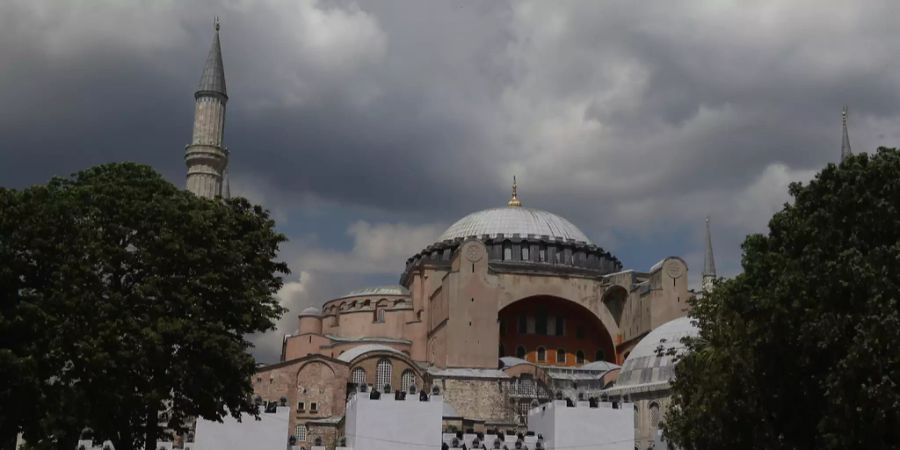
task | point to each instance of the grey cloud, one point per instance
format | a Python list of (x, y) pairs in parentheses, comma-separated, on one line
[(632, 119)]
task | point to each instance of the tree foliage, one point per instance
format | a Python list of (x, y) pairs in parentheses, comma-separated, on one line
[(800, 351), (123, 296)]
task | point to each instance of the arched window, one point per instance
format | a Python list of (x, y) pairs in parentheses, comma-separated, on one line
[(541, 354), (520, 352), (384, 374), (359, 376), (379, 314), (600, 356), (507, 251), (561, 356), (654, 416), (579, 357), (301, 432), (407, 379)]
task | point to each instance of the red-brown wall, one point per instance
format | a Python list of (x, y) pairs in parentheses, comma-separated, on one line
[(594, 338)]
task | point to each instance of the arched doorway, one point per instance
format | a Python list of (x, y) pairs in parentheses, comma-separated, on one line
[(553, 331)]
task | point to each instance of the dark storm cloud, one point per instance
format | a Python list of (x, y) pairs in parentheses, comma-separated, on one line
[(634, 120)]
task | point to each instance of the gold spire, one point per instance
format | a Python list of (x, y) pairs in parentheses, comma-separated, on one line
[(514, 201)]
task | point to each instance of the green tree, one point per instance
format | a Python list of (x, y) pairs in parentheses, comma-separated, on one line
[(800, 351), (123, 296)]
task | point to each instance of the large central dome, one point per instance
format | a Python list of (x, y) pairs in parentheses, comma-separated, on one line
[(514, 220), (532, 240)]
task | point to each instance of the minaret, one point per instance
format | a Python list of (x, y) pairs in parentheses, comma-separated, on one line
[(709, 262), (206, 157), (514, 201), (845, 143)]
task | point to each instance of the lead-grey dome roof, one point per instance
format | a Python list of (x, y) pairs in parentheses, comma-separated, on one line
[(651, 364), (377, 290), (514, 220)]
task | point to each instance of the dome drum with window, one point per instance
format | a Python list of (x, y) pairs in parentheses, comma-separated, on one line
[(525, 237)]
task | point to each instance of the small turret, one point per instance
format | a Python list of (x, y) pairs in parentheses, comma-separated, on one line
[(310, 321)]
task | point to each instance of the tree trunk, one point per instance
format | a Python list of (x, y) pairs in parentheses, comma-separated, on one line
[(151, 427)]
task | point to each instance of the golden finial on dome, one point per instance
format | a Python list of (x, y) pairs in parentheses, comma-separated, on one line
[(514, 201)]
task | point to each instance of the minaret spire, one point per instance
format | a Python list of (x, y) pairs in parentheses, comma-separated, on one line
[(845, 142), (709, 262), (206, 157), (514, 201)]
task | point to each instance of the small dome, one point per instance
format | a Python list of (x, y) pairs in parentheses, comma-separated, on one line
[(510, 361), (651, 364), (378, 290), (311, 311), (514, 220), (600, 365)]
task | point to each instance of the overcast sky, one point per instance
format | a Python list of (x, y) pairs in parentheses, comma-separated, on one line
[(369, 127)]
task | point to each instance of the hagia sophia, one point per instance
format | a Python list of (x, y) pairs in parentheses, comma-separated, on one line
[(510, 308)]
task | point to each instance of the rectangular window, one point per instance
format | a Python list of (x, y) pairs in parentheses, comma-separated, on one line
[(300, 406), (551, 326), (560, 326), (530, 323), (313, 407), (523, 325), (540, 325)]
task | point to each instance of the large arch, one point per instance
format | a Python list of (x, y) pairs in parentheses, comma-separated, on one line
[(556, 328)]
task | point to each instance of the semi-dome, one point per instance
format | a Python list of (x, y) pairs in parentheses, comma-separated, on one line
[(360, 350), (514, 220), (651, 364)]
